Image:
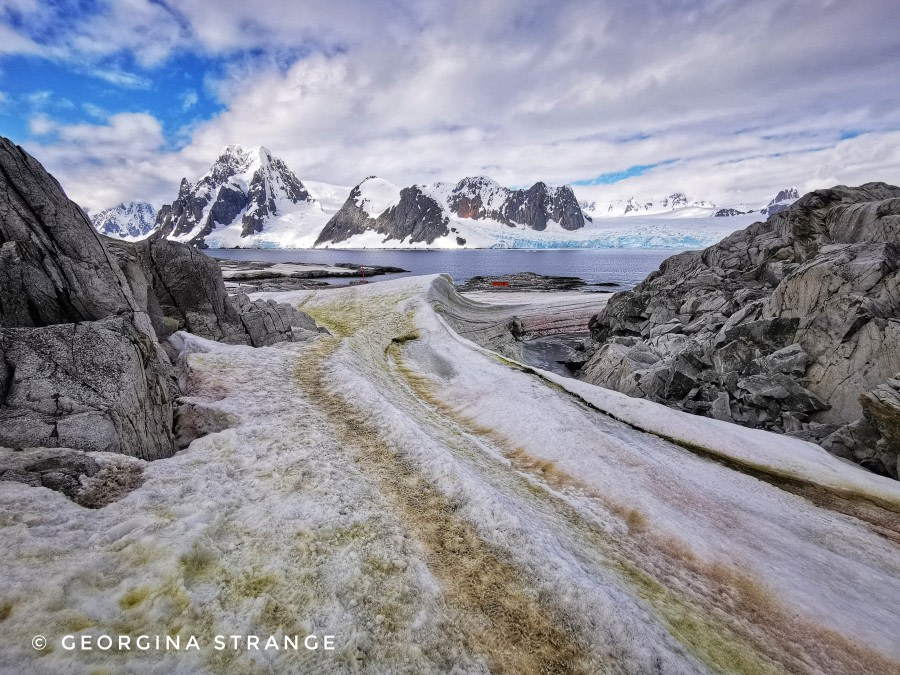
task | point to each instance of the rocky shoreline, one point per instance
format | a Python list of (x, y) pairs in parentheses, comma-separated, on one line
[(252, 276), (530, 281), (791, 325)]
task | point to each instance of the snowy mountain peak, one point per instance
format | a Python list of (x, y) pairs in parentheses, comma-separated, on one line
[(779, 202), (481, 198), (788, 194), (375, 195), (244, 185), (131, 221), (472, 183)]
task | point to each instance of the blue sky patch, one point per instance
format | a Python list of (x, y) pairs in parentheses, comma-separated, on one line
[(618, 176), (176, 92)]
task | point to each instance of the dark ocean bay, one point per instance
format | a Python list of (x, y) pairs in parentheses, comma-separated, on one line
[(625, 267)]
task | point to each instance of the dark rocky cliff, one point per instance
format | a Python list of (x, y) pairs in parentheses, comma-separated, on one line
[(82, 316), (792, 325), (80, 365), (416, 217)]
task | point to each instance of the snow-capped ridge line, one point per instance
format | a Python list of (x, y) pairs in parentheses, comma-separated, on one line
[(250, 198), (243, 191)]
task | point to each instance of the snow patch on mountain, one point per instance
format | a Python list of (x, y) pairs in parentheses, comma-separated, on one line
[(377, 195)]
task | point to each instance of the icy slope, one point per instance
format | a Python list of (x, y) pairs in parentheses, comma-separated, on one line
[(436, 507)]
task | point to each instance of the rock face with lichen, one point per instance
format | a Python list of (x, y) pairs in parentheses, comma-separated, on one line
[(81, 319), (80, 365), (791, 325), (181, 288)]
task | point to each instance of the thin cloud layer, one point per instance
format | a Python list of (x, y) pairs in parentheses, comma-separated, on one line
[(725, 101)]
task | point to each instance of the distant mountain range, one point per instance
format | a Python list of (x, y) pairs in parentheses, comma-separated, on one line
[(633, 206), (251, 199)]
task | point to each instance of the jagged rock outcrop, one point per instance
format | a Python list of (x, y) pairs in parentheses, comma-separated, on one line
[(874, 439), (267, 322), (181, 288), (242, 183), (80, 365), (54, 267), (481, 198), (792, 325)]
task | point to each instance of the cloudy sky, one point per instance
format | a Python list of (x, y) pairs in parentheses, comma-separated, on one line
[(725, 100)]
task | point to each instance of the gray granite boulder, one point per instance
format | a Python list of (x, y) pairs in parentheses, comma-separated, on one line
[(874, 439), (54, 267), (267, 322), (181, 288), (80, 365), (790, 325), (95, 385)]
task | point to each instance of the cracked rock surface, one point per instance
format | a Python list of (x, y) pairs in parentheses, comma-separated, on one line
[(791, 325), (181, 288), (80, 365)]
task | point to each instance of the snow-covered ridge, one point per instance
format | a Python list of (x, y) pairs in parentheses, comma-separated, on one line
[(635, 207), (132, 221), (251, 199), (377, 195)]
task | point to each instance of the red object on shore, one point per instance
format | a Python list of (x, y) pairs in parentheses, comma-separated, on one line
[(499, 283)]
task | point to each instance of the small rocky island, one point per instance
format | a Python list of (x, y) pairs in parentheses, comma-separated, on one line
[(259, 276)]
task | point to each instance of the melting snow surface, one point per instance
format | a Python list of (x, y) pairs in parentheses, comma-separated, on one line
[(437, 508)]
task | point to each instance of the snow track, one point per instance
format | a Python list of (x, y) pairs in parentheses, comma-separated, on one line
[(440, 508)]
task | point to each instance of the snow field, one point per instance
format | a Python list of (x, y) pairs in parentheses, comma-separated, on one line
[(438, 507)]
